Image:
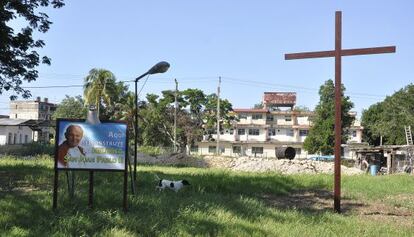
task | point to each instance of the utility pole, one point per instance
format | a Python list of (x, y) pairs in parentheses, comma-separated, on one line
[(218, 118), (175, 115)]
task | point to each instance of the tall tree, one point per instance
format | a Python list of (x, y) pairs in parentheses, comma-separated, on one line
[(301, 108), (71, 107), (210, 112), (155, 126), (321, 136), (372, 122), (196, 100), (120, 103), (124, 109), (258, 106), (100, 88), (18, 56), (388, 118)]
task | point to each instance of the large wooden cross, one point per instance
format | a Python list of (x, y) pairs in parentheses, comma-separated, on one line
[(338, 53)]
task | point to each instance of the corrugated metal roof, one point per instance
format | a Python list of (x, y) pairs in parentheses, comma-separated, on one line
[(12, 122)]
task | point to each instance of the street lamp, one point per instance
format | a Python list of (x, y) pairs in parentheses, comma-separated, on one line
[(160, 67)]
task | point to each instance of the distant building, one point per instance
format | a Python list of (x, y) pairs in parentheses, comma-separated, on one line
[(20, 131), (28, 121), (260, 132), (35, 109)]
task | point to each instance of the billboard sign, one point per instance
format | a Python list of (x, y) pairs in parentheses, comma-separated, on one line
[(80, 145)]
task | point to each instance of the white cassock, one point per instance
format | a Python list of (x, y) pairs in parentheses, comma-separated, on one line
[(75, 153)]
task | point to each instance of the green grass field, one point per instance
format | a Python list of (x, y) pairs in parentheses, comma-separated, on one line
[(218, 203)]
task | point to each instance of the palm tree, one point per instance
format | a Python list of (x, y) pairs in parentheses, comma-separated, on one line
[(99, 87), (124, 109)]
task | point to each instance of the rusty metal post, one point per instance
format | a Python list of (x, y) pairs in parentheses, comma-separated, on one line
[(90, 194), (338, 119)]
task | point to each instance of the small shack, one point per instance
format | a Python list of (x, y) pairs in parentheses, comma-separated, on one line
[(389, 158)]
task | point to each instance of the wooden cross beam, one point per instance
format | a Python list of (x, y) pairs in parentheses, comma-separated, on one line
[(338, 53)]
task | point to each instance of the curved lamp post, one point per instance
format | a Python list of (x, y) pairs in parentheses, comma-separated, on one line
[(160, 67)]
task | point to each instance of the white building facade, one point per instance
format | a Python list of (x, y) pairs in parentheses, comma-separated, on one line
[(261, 132), (17, 131)]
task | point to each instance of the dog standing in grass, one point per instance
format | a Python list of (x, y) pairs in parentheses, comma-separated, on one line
[(173, 185)]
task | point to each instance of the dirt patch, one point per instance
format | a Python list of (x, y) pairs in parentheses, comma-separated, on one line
[(319, 201)]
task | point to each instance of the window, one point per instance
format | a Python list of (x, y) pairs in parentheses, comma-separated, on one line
[(194, 148), (298, 151), (269, 117), (242, 116), (222, 149), (15, 138), (26, 138), (20, 139), (271, 132), (288, 118), (237, 149), (241, 131), (254, 131), (211, 149), (303, 133), (257, 150), (289, 132), (257, 116), (354, 133), (10, 138)]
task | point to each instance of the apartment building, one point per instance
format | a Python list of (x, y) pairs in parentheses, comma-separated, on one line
[(261, 132), (36, 113), (35, 109)]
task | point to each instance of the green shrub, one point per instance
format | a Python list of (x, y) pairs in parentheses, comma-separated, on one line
[(153, 150), (30, 149)]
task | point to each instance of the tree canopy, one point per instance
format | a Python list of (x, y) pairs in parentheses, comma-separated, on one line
[(71, 107), (18, 56), (100, 88), (196, 113), (388, 118), (321, 136)]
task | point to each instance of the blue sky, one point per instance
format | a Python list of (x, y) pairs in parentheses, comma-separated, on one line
[(242, 41)]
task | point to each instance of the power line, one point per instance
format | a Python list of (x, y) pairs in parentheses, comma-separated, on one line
[(55, 86), (232, 80)]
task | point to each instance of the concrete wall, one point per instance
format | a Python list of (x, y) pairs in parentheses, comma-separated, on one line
[(15, 135), (269, 150), (31, 110)]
